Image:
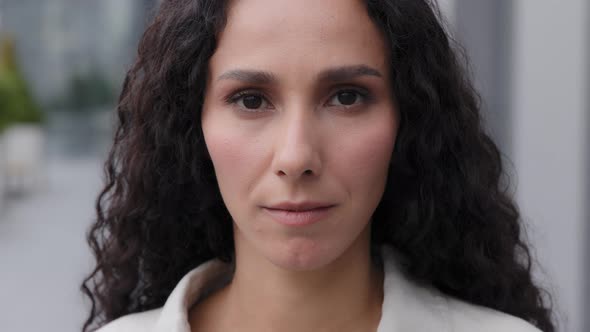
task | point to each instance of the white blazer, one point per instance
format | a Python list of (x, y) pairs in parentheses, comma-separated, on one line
[(407, 306)]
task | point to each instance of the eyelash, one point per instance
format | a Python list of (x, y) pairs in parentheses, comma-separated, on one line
[(234, 98)]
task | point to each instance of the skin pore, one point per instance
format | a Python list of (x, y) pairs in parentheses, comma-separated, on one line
[(298, 107)]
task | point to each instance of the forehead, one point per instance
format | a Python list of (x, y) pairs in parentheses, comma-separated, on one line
[(298, 35)]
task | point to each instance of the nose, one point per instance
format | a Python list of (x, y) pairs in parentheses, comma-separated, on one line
[(297, 152)]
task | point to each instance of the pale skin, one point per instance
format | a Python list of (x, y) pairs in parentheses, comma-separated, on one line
[(299, 107)]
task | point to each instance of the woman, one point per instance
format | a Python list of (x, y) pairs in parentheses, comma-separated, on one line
[(305, 166)]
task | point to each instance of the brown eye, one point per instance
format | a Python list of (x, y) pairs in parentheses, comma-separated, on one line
[(252, 102), (249, 101), (347, 97)]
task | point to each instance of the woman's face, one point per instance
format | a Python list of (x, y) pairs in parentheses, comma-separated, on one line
[(298, 108)]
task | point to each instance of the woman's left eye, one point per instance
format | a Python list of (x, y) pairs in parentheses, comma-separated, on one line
[(347, 98)]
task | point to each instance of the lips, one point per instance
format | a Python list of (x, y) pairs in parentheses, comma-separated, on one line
[(299, 214), (301, 206)]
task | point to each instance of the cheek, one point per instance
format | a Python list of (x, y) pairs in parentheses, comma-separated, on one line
[(234, 156), (364, 156)]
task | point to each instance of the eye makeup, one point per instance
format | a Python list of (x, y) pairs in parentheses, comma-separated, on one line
[(251, 100)]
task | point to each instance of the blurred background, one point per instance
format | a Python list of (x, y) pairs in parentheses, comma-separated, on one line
[(62, 63)]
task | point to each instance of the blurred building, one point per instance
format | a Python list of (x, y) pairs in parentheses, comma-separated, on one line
[(57, 39)]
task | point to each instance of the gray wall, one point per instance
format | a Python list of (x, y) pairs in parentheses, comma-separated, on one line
[(530, 65), (484, 28), (550, 149)]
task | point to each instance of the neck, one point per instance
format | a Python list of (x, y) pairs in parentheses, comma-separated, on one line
[(345, 295)]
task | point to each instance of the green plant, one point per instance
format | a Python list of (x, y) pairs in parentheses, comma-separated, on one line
[(16, 102)]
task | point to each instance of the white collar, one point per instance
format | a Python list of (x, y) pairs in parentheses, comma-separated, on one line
[(406, 305)]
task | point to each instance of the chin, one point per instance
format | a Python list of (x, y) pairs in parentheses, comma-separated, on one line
[(301, 254)]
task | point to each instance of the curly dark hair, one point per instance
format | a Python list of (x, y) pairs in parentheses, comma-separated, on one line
[(449, 214)]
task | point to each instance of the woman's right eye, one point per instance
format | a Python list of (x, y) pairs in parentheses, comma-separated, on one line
[(249, 101)]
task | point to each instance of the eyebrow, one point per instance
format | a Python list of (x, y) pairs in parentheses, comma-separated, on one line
[(337, 74)]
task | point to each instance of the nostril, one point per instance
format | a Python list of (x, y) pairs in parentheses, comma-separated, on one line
[(307, 172)]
